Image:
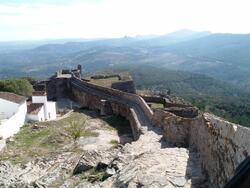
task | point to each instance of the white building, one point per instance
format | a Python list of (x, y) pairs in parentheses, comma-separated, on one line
[(13, 109), (40, 109)]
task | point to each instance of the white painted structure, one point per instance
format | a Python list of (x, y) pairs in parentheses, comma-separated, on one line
[(38, 115), (40, 109), (13, 109), (14, 112)]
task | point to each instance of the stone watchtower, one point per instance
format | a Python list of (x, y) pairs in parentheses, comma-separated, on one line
[(77, 72), (79, 67)]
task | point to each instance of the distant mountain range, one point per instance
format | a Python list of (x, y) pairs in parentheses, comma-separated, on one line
[(210, 70), (221, 56)]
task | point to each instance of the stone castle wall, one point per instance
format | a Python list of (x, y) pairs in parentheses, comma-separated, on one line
[(222, 145), (114, 95), (163, 100), (154, 99), (58, 88), (126, 86), (176, 128), (96, 103), (92, 96)]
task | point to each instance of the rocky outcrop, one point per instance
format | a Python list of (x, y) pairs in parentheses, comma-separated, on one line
[(147, 162), (94, 159), (8, 176)]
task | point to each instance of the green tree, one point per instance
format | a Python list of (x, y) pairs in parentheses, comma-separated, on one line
[(18, 86), (31, 80)]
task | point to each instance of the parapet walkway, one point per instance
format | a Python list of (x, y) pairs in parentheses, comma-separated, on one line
[(142, 117), (153, 162)]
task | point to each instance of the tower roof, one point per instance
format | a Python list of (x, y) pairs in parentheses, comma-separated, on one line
[(39, 93)]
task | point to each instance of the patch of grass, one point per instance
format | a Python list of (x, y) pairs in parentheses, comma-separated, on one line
[(114, 142), (106, 82), (43, 139), (155, 105)]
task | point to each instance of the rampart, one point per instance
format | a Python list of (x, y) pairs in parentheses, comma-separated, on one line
[(155, 99), (106, 76), (163, 100), (131, 106), (222, 145), (178, 109), (126, 86)]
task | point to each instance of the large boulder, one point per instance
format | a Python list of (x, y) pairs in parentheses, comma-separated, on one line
[(95, 159)]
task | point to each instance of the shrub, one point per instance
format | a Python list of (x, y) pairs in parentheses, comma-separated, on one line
[(75, 130), (114, 142)]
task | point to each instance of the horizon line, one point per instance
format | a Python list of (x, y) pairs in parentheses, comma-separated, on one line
[(118, 37)]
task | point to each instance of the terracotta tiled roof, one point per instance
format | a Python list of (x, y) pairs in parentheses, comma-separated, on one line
[(34, 108), (12, 97), (38, 93)]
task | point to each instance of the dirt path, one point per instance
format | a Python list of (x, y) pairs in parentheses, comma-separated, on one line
[(150, 162)]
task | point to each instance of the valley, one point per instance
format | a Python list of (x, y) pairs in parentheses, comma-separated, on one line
[(204, 68)]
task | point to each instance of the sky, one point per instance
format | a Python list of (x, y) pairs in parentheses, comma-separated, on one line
[(54, 19)]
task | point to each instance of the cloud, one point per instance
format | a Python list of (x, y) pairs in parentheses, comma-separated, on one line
[(115, 18)]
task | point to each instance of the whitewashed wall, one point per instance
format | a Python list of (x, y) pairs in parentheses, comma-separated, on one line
[(50, 110), (37, 117), (12, 125), (9, 108), (39, 99)]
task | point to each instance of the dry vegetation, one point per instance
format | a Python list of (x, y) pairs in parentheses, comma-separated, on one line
[(45, 139)]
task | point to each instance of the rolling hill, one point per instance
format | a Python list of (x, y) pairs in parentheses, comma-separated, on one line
[(222, 56), (210, 95)]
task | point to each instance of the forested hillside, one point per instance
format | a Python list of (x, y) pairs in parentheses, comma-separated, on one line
[(208, 94)]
